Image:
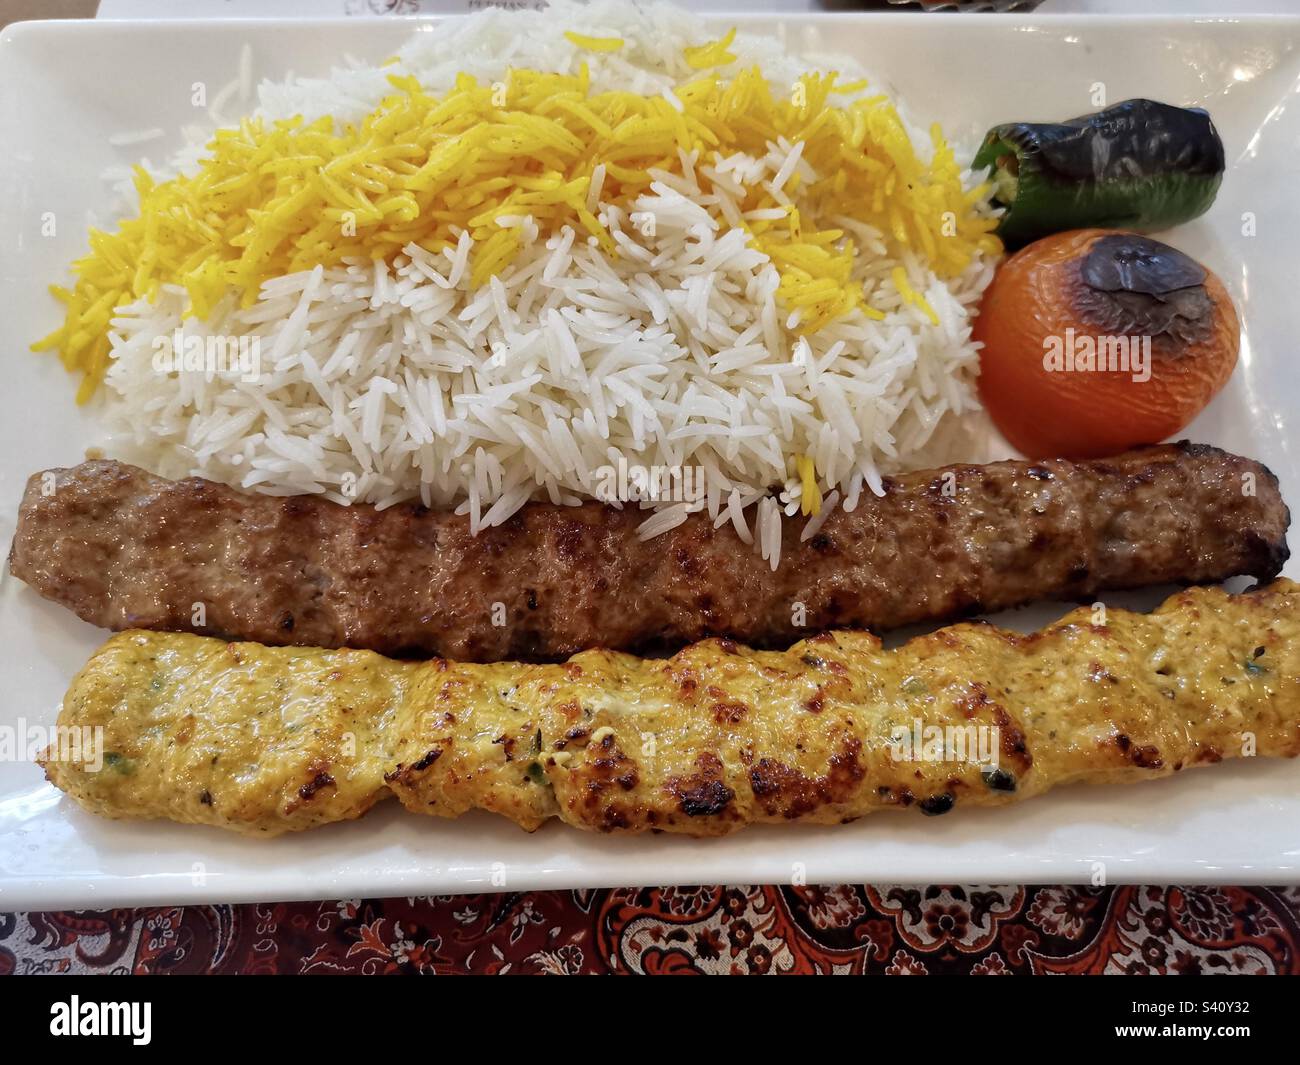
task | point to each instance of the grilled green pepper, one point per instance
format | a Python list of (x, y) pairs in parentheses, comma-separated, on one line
[(1138, 165)]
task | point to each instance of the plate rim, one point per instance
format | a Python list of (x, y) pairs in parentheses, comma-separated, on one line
[(158, 888)]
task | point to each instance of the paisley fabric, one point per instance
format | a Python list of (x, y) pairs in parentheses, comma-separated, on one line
[(902, 931)]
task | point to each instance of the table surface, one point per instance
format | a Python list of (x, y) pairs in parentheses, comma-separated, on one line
[(850, 929), (843, 928)]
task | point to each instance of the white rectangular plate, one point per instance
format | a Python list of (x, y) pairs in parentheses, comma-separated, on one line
[(65, 87)]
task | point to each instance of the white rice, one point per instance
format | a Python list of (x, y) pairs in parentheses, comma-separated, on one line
[(382, 384)]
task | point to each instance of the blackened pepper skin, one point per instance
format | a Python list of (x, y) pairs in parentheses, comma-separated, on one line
[(1139, 165)]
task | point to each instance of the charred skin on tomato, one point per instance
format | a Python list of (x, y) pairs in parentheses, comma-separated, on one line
[(1162, 325)]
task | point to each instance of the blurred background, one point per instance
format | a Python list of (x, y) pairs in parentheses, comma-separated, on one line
[(14, 10)]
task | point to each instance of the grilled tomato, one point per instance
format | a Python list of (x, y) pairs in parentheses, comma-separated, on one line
[(1097, 340)]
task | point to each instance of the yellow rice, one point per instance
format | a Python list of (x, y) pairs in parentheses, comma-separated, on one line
[(271, 199)]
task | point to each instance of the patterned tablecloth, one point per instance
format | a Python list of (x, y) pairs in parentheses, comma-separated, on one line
[(894, 930)]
